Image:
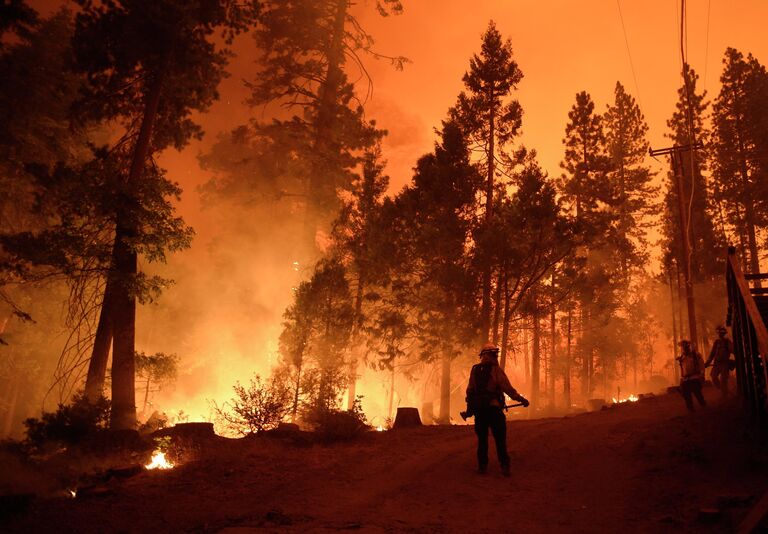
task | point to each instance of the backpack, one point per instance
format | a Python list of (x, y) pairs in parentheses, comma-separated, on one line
[(481, 397)]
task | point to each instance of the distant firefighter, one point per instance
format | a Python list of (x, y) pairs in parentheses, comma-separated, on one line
[(691, 373), (720, 354), (485, 401)]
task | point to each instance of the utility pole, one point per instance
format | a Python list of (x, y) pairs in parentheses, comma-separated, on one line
[(677, 173)]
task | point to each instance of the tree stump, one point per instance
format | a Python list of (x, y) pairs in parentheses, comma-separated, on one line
[(407, 417)]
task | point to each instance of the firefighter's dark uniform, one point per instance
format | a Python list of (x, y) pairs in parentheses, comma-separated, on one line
[(492, 417), (720, 356), (692, 376)]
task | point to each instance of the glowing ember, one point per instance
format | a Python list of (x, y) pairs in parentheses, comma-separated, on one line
[(631, 398), (73, 493), (379, 428), (159, 461)]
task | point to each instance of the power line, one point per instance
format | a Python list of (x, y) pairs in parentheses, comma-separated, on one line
[(706, 46), (629, 54), (677, 30)]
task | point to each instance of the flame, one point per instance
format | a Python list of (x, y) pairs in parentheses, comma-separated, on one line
[(379, 428), (631, 398), (159, 461)]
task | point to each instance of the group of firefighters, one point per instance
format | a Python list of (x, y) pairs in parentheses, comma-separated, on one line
[(692, 368), (488, 383)]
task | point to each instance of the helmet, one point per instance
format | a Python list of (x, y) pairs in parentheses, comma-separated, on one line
[(489, 348), (684, 343)]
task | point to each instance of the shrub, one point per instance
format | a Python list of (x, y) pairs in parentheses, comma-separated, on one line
[(339, 425), (70, 423), (261, 406)]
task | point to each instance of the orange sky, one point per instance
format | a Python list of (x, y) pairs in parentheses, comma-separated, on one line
[(562, 47)]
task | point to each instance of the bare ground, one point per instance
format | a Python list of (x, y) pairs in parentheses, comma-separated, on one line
[(646, 467)]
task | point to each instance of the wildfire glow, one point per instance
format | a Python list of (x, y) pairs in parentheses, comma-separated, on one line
[(631, 398), (159, 461), (379, 428)]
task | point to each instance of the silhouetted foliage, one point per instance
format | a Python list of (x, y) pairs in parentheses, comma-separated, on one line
[(260, 406), (69, 424)]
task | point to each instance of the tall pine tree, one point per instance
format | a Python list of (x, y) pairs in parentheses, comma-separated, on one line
[(585, 187), (739, 145), (149, 64), (491, 120)]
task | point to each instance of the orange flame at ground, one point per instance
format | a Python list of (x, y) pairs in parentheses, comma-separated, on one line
[(631, 398), (159, 461)]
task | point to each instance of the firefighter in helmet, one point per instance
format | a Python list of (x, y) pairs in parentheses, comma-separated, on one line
[(720, 359), (485, 400), (691, 374)]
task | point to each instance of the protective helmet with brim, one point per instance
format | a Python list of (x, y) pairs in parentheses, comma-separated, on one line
[(489, 348)]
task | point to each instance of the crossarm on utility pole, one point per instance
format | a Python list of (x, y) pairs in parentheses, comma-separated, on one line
[(676, 163)]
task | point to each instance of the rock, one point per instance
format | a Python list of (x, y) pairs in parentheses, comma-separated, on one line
[(407, 417)]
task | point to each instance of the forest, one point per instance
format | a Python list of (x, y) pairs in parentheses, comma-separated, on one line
[(295, 218), (204, 220)]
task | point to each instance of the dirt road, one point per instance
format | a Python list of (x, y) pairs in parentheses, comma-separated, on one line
[(647, 467)]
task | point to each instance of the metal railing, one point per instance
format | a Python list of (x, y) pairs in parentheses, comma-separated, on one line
[(750, 340)]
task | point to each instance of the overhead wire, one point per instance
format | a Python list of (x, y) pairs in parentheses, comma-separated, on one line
[(629, 55), (706, 46), (691, 129)]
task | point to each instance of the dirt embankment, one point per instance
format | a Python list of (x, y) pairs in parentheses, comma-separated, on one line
[(646, 467)]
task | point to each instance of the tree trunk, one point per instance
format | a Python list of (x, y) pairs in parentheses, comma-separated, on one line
[(124, 330), (672, 306), (297, 389), (125, 262), (486, 304), (445, 390), (526, 358), (680, 308), (687, 249), (505, 325), (586, 353), (536, 360), (146, 396), (749, 209), (391, 390), (553, 347), (318, 188), (497, 309), (568, 356), (352, 392), (97, 366)]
